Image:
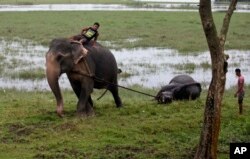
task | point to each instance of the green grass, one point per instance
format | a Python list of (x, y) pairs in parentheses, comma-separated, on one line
[(30, 2), (205, 65), (188, 67), (178, 30), (141, 129)]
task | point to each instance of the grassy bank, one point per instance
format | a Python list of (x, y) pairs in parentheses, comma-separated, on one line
[(178, 30), (142, 129)]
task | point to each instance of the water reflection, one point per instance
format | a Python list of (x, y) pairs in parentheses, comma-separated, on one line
[(148, 67), (154, 67)]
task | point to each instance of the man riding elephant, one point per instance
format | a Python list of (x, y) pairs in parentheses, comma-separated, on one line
[(87, 34)]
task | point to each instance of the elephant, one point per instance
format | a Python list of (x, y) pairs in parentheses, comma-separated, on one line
[(65, 56), (179, 88)]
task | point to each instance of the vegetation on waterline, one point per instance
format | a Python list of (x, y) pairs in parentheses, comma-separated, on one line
[(32, 74)]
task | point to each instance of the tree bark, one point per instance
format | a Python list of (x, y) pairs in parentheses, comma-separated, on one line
[(207, 148)]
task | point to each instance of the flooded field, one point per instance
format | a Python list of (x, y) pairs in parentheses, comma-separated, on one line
[(23, 63)]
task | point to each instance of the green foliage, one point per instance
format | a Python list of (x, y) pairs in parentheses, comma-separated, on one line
[(188, 67), (30, 127), (178, 30), (1, 63), (205, 65)]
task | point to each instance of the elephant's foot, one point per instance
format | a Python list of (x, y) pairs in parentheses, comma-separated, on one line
[(59, 111), (90, 111), (119, 105), (118, 102), (81, 114), (85, 114)]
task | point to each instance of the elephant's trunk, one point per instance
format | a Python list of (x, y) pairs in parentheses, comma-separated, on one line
[(53, 73)]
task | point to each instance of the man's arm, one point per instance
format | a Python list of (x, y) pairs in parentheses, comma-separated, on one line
[(95, 38), (84, 30)]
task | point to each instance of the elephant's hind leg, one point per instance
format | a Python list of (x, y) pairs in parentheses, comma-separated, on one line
[(114, 91)]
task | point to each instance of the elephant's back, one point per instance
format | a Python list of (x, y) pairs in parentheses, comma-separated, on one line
[(98, 51), (182, 79)]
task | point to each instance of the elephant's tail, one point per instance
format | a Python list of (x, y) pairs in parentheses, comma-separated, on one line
[(102, 94)]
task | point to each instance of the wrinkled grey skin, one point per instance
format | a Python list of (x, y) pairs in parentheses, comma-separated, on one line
[(64, 57), (179, 88)]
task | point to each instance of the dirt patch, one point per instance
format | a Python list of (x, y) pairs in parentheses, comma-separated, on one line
[(69, 126), (20, 129), (16, 133), (190, 152), (62, 154), (128, 152)]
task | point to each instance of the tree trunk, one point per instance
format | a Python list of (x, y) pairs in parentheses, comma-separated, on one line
[(207, 148)]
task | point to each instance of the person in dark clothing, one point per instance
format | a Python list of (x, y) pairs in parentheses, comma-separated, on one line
[(87, 34)]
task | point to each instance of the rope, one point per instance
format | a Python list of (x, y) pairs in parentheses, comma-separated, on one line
[(102, 94), (102, 80)]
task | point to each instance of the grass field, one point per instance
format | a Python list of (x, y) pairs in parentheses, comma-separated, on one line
[(29, 2), (178, 30), (142, 129)]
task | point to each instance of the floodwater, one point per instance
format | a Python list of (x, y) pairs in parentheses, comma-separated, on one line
[(148, 67), (119, 7)]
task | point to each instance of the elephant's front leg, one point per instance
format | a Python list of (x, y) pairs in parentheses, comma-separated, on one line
[(84, 105), (90, 101)]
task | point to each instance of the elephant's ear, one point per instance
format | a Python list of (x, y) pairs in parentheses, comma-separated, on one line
[(59, 56), (78, 53)]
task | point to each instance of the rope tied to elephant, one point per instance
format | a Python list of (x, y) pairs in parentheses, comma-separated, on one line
[(102, 80), (91, 75), (113, 84)]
